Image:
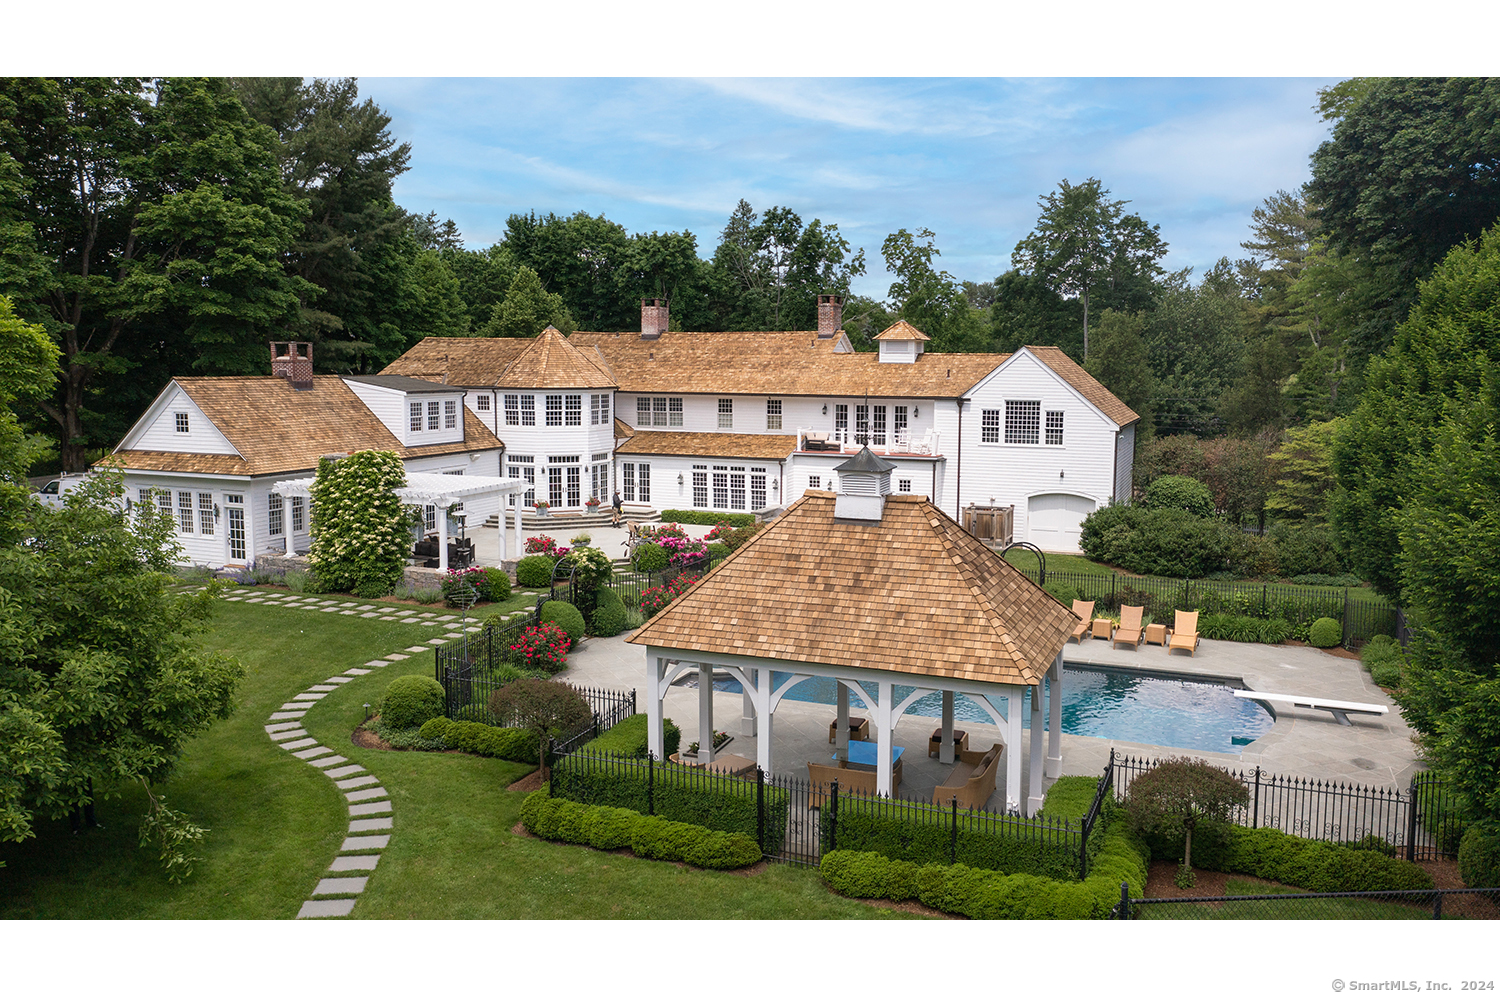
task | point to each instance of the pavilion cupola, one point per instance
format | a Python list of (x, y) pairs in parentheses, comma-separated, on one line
[(864, 482)]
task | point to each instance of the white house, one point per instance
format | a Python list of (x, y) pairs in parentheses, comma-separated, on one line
[(748, 421), (208, 449)]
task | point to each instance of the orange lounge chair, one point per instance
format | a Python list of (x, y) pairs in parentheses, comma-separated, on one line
[(1085, 612), (1130, 631), (1184, 633)]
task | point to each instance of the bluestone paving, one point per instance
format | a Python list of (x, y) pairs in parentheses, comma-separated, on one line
[(310, 696), (313, 752), (323, 763), (357, 781), (287, 714), (321, 688), (296, 706), (361, 842), (304, 742), (369, 809), (341, 884), (287, 735), (359, 795), (370, 824), (325, 908), (338, 679), (357, 671), (438, 640), (416, 650), (287, 725), (354, 863), (395, 657), (344, 772)]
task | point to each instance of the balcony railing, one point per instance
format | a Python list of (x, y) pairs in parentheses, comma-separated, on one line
[(898, 443)]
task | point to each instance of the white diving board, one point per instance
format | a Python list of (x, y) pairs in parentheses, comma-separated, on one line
[(1339, 708)]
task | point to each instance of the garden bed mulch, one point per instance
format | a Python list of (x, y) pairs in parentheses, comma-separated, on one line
[(369, 739), (527, 783)]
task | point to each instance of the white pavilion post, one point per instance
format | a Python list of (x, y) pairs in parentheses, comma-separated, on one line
[(747, 704), (763, 718), (655, 729), (520, 545), (1013, 747), (883, 766), (841, 725), (1054, 711), (442, 523), (1034, 792), (705, 713), (945, 751)]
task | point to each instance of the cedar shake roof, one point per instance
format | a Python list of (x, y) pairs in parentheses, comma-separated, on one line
[(623, 430), (912, 593), (470, 362), (904, 330), (778, 363), (744, 446), (1083, 382), (550, 361), (396, 382), (278, 430)]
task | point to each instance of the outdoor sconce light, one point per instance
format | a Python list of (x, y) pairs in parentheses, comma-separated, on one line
[(1060, 474), (679, 479), (825, 409), (916, 413), (216, 512), (776, 484)]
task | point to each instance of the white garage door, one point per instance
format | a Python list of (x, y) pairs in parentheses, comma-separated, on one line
[(1053, 522)]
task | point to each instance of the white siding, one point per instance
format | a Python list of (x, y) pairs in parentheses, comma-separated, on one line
[(1010, 474), (391, 407), (388, 405), (1125, 464), (158, 430)]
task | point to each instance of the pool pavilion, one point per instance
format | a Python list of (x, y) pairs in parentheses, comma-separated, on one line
[(872, 590)]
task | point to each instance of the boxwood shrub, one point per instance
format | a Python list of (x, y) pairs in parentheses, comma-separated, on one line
[(985, 841), (649, 837), (700, 517), (1319, 866), (1383, 659), (650, 557), (629, 738), (513, 744), (410, 701), (565, 615), (534, 571), (1325, 632)]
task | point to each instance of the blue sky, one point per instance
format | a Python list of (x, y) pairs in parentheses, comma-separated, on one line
[(967, 158)]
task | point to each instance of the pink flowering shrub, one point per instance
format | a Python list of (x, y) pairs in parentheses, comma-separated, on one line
[(543, 648), (654, 600)]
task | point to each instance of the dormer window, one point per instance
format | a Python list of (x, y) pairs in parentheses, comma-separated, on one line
[(416, 417), (432, 415), (450, 415), (182, 422)]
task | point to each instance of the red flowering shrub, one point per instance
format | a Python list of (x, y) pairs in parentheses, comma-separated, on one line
[(542, 544), (719, 533), (543, 648), (654, 600)]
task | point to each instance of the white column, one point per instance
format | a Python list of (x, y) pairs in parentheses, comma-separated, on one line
[(764, 717), (747, 705), (1013, 708), (705, 713), (442, 523), (1054, 724), (945, 752), (655, 729), (520, 544), (886, 739), (1034, 791), (841, 725)]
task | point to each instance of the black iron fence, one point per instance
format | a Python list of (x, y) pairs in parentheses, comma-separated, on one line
[(1379, 905), (609, 707), (469, 669), (1091, 818), (1362, 614), (795, 821), (1419, 822)]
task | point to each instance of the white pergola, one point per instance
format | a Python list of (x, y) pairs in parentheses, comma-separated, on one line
[(664, 665), (441, 490)]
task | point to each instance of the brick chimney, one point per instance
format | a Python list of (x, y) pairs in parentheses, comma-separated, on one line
[(830, 315), (293, 361), (653, 317)]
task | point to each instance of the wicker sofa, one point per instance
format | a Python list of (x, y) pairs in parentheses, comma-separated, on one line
[(972, 780), (858, 778)]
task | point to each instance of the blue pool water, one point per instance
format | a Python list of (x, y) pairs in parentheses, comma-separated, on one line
[(1122, 706)]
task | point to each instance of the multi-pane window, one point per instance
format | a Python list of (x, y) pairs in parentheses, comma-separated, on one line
[(599, 477), (164, 501), (627, 482), (575, 483), (841, 422), (726, 413), (674, 411), (182, 422), (721, 486), (658, 411), (432, 415), (206, 513), (903, 485), (1023, 422), (299, 515), (877, 425), (185, 512), (429, 517), (564, 481), (989, 426), (757, 488), (554, 410), (643, 411), (899, 419), (700, 486), (528, 410), (861, 424), (523, 467), (482, 403), (574, 410), (645, 482), (450, 415), (274, 514), (1054, 428), (815, 481), (416, 417), (598, 410), (773, 413), (736, 488), (512, 410)]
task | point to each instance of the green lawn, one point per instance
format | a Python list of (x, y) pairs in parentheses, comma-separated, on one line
[(276, 822)]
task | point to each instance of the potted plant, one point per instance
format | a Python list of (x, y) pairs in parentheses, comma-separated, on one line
[(582, 540), (593, 503), (542, 507), (722, 740)]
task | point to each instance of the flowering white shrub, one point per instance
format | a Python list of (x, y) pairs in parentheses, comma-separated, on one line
[(359, 530)]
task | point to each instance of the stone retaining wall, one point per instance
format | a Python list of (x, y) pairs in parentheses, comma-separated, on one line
[(416, 577)]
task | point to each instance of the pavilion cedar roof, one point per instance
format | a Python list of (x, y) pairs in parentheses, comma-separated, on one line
[(276, 429), (911, 593)]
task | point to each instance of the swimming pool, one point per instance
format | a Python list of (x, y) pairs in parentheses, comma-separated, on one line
[(1119, 705)]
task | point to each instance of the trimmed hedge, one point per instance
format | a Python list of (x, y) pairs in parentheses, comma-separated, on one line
[(534, 571), (513, 744), (985, 841), (649, 558), (1319, 866), (499, 584), (1070, 798), (983, 893), (608, 621), (565, 615), (1479, 859), (681, 794), (1325, 632), (609, 828), (699, 517), (718, 551), (629, 738), (411, 700)]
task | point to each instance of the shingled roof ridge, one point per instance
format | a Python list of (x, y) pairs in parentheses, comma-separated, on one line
[(956, 553)]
